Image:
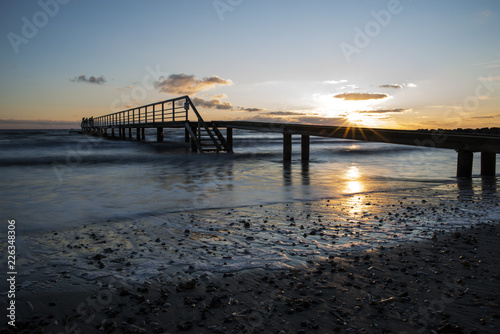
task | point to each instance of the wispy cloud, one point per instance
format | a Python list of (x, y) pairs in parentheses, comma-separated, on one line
[(285, 113), (483, 16), (383, 111), (251, 109), (334, 121), (218, 104), (361, 96), (397, 86), (334, 82), (491, 78), (37, 124), (91, 80), (212, 104), (188, 84), (486, 116)]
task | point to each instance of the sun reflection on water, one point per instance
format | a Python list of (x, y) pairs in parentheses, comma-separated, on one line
[(354, 184)]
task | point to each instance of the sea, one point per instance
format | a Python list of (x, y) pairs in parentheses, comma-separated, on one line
[(223, 211), (53, 179)]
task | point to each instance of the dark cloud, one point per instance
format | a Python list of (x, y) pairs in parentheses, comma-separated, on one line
[(37, 124), (315, 120), (383, 111), (92, 79), (361, 96), (212, 104), (391, 86), (251, 109), (305, 119), (285, 113), (184, 84)]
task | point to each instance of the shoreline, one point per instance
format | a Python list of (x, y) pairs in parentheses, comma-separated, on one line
[(446, 285), (362, 263)]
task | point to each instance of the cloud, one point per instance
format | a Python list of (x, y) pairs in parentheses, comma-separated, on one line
[(484, 16), (391, 86), (412, 85), (490, 78), (333, 121), (187, 84), (218, 104), (92, 79), (383, 111), (212, 104), (37, 124), (285, 113), (333, 82), (251, 109), (361, 96), (486, 116)]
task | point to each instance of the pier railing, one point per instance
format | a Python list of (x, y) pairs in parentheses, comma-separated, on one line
[(168, 113), (173, 110)]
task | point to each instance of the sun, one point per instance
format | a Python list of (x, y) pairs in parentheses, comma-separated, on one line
[(355, 117)]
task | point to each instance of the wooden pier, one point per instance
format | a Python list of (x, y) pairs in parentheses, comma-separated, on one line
[(206, 136)]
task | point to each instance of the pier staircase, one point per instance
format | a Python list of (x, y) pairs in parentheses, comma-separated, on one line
[(205, 137), (173, 113)]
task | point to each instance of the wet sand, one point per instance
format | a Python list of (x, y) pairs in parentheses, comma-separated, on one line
[(403, 265)]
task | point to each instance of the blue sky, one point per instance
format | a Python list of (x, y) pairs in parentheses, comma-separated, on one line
[(403, 64)]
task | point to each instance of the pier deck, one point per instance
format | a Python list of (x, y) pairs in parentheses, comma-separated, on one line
[(206, 136)]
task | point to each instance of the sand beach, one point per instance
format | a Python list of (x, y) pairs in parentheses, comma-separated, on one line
[(417, 261)]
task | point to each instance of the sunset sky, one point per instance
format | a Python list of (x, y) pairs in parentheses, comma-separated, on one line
[(392, 64)]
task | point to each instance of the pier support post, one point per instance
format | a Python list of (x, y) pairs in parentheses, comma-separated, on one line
[(464, 163), (186, 135), (159, 135), (112, 132), (143, 134), (194, 148), (488, 163), (305, 144), (138, 134), (287, 147), (130, 133), (229, 139)]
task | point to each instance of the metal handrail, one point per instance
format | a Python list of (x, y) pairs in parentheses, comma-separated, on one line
[(153, 113), (159, 114)]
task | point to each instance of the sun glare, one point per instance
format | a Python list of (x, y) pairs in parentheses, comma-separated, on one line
[(354, 113), (355, 118)]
